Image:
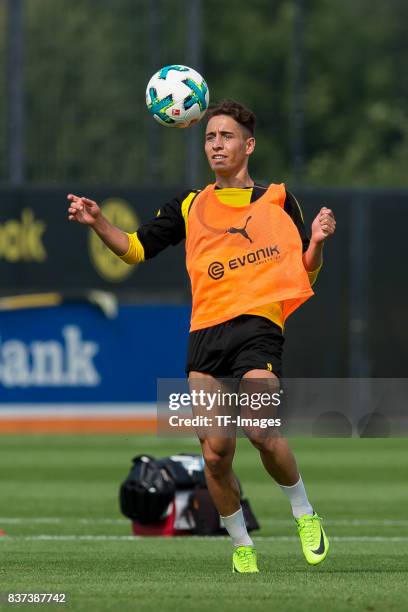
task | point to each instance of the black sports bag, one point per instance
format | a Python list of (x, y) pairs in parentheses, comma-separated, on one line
[(154, 486), (152, 483), (147, 491)]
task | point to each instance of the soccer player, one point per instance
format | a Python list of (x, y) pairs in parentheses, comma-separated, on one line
[(251, 264)]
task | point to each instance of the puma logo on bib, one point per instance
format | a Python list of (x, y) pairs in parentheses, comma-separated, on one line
[(240, 230)]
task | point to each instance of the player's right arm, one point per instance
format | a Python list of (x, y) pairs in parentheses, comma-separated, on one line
[(87, 212), (167, 228)]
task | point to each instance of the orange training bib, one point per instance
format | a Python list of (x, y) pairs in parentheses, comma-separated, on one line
[(242, 258)]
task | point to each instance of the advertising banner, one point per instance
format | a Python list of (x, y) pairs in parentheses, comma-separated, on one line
[(75, 354)]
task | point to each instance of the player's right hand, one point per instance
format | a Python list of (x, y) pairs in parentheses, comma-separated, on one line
[(83, 210)]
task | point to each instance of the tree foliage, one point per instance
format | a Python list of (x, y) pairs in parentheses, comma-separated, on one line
[(88, 62)]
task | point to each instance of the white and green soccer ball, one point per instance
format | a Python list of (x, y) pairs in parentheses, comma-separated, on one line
[(177, 96)]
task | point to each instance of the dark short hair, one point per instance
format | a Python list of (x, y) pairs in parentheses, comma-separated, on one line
[(237, 111)]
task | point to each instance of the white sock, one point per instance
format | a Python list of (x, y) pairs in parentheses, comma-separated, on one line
[(235, 525), (298, 498)]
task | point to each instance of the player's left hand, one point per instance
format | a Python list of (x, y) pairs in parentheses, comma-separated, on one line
[(323, 226)]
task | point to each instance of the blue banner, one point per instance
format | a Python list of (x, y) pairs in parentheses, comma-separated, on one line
[(74, 353)]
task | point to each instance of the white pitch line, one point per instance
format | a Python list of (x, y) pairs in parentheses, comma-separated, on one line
[(347, 522), (123, 521), (61, 520), (119, 538), (339, 538)]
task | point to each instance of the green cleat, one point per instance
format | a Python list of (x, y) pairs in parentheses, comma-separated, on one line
[(244, 560), (315, 544)]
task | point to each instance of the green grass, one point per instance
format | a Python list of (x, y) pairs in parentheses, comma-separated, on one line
[(67, 486)]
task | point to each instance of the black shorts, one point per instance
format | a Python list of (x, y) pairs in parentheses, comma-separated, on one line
[(231, 349)]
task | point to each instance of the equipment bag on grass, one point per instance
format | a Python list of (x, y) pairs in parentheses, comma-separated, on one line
[(169, 496)]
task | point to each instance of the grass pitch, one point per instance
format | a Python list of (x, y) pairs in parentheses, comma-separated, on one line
[(59, 509)]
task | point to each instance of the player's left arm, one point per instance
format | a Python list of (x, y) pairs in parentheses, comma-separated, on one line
[(323, 226), (312, 247)]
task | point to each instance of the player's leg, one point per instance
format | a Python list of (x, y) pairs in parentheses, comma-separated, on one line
[(276, 455), (280, 463), (218, 449), (218, 453), (222, 484)]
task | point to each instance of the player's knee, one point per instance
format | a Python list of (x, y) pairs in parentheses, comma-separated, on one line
[(218, 458), (262, 442), (215, 464)]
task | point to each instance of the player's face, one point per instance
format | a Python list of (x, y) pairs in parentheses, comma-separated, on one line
[(227, 145)]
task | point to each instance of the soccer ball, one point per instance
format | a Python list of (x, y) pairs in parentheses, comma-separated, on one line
[(177, 96)]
